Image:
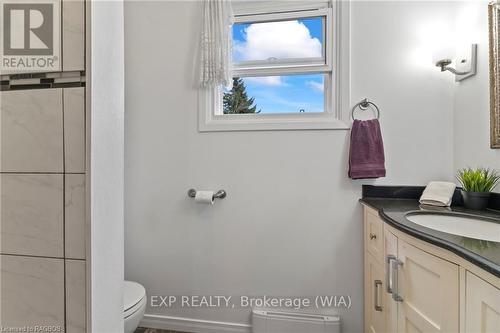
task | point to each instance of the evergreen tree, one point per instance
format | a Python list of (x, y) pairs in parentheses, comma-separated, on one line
[(237, 101)]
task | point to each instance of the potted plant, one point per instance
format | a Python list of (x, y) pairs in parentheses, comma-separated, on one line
[(476, 186)]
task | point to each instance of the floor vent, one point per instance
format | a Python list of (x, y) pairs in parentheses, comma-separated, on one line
[(291, 322)]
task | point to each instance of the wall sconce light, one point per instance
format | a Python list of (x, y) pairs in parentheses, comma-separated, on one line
[(466, 65)]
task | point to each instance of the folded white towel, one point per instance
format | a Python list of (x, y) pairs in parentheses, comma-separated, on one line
[(438, 194)]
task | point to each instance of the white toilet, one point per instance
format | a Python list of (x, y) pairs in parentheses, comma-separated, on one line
[(134, 305)]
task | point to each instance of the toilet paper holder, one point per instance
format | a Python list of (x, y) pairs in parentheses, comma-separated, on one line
[(220, 194)]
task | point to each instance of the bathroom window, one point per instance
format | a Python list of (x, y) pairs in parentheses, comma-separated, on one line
[(289, 69), (276, 94)]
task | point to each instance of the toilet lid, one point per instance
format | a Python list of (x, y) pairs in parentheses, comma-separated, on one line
[(133, 294)]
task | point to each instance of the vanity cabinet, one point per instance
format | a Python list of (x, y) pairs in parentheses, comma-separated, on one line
[(375, 295), (374, 236), (424, 288), (482, 305), (391, 309), (428, 288)]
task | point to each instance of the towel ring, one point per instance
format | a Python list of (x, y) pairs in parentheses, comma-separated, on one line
[(364, 105)]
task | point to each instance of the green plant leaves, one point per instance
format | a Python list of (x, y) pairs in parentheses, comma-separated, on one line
[(237, 100), (478, 180)]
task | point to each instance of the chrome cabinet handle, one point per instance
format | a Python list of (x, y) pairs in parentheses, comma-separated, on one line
[(388, 272), (376, 304), (373, 236), (394, 277)]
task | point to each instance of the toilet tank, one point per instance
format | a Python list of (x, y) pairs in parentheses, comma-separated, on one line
[(264, 321)]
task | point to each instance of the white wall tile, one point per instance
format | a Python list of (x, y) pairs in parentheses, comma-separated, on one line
[(31, 214), (73, 35), (75, 216), (74, 130), (75, 296), (31, 131), (32, 292)]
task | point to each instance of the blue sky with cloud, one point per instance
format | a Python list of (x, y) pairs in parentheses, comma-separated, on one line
[(286, 39)]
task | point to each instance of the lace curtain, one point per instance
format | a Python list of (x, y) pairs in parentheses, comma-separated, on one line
[(216, 43)]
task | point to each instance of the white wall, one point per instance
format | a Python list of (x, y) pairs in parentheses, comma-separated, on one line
[(392, 45), (472, 96), (291, 224), (107, 109)]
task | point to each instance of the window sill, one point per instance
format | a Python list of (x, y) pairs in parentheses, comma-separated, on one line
[(210, 100), (287, 124)]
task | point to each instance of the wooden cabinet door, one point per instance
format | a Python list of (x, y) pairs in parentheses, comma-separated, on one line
[(429, 287), (374, 239), (374, 295), (482, 306), (391, 309)]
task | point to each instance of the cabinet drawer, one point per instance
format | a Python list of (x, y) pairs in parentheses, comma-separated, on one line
[(374, 236)]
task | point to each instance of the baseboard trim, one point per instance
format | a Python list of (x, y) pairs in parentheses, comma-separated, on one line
[(192, 325)]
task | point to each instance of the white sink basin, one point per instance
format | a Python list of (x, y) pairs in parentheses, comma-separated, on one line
[(467, 226)]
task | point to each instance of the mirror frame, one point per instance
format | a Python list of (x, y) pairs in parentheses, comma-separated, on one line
[(494, 27)]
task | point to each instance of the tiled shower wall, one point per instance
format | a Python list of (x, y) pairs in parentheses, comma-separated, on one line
[(42, 226), (42, 197)]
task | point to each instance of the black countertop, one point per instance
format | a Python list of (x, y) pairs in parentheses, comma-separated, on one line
[(485, 254)]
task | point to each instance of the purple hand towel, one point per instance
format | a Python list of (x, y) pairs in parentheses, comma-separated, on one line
[(366, 154)]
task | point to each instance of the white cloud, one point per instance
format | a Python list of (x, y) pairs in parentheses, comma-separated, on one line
[(266, 80), (286, 39), (317, 86)]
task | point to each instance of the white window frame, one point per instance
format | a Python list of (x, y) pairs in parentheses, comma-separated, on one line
[(335, 65)]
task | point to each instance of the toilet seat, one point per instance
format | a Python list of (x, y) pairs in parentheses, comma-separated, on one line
[(134, 298)]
